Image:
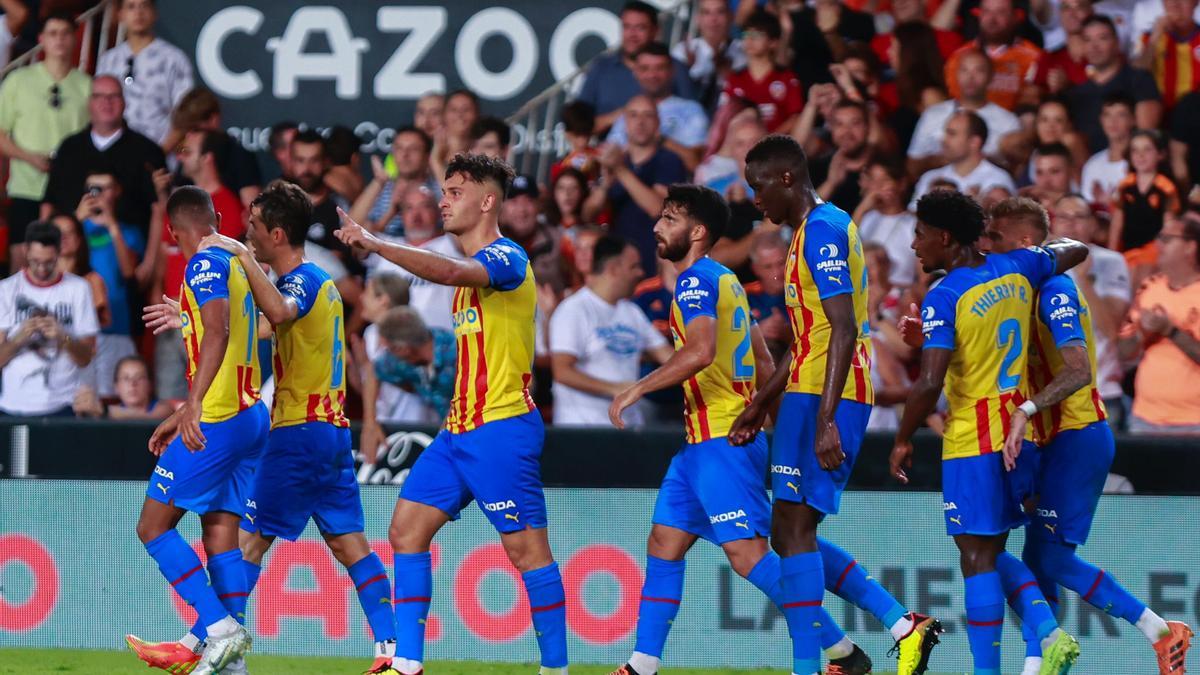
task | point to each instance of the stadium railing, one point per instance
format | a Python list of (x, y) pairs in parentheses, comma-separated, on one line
[(101, 32)]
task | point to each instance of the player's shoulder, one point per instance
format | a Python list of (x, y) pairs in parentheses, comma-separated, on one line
[(308, 273), (209, 261), (1059, 289), (828, 214), (504, 251)]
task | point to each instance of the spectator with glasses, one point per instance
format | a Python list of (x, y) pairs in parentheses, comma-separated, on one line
[(156, 74), (40, 105)]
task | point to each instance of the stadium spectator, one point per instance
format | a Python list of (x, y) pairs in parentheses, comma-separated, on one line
[(1163, 334), (579, 123), (1104, 170), (610, 83), (1146, 15), (279, 143), (417, 358), (116, 249), (40, 105), (13, 15), (836, 175), (432, 301), (888, 374), (1109, 74), (344, 177), (966, 168), (135, 395), (74, 257), (1014, 59), (1051, 126), (47, 331), (1103, 280), (920, 80), (883, 219), (724, 171), (106, 142), (156, 73), (634, 181), (490, 136), (1144, 196), (973, 72), (773, 91), (378, 207), (711, 54), (429, 112), (913, 11), (598, 339), (309, 165), (817, 36), (1065, 67), (542, 243), (568, 191), (583, 242), (459, 113), (764, 295), (1169, 52), (682, 122), (1052, 171), (200, 109), (1185, 141)]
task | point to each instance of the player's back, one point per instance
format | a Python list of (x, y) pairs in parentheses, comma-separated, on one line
[(1062, 317), (494, 327), (214, 274), (310, 352), (982, 314), (826, 259), (714, 397)]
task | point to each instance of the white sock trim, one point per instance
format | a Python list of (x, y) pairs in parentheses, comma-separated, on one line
[(644, 663), (191, 642), (1033, 665), (840, 649), (1152, 625), (406, 666), (223, 627), (902, 627)]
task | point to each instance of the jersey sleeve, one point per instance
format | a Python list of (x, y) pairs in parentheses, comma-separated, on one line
[(938, 314), (1035, 263), (696, 295), (506, 264), (1059, 309), (302, 288), (827, 252), (207, 275)]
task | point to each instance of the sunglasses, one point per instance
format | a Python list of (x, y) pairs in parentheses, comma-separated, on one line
[(55, 97), (129, 77)]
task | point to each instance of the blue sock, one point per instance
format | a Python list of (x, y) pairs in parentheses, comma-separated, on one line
[(847, 579), (252, 573), (661, 594), (181, 566), (1094, 585), (803, 581), (1025, 596), (414, 586), (985, 621), (228, 575), (375, 595), (766, 577), (548, 605)]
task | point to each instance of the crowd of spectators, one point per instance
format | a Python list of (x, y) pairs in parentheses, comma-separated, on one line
[(1087, 108)]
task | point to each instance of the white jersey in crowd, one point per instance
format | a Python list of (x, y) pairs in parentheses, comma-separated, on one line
[(1101, 176), (160, 75), (679, 119), (982, 178), (895, 233), (432, 301), (608, 341), (44, 380), (393, 405), (931, 128), (1110, 277)]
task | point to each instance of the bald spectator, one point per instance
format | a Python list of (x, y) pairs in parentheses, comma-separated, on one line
[(1014, 59), (1109, 74), (109, 142), (966, 168), (156, 74)]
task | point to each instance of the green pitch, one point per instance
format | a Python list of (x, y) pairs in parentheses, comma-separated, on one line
[(39, 661)]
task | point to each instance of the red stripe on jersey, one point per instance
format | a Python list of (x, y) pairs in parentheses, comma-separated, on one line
[(1101, 414), (860, 380), (1007, 403), (310, 412), (701, 409), (525, 380), (278, 367), (460, 393), (481, 378), (1170, 69), (983, 426), (802, 346), (328, 405)]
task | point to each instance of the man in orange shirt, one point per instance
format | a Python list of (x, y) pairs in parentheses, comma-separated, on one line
[(1014, 60), (1163, 329)]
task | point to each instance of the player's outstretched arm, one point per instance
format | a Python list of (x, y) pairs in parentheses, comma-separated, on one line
[(273, 304), (695, 355), (922, 399), (428, 265), (1067, 253)]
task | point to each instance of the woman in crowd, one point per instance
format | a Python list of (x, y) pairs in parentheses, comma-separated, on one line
[(1051, 124), (75, 257)]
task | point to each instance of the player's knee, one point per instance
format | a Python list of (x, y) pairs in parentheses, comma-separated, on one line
[(407, 539), (147, 531)]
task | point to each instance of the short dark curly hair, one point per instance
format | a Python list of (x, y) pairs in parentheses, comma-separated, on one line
[(702, 204), (285, 206), (954, 212), (481, 169)]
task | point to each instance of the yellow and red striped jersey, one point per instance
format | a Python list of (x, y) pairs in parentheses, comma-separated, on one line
[(213, 274), (825, 260), (982, 315), (1063, 318), (715, 396), (1175, 65), (310, 352), (494, 327)]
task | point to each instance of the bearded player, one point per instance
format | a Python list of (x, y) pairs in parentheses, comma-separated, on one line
[(491, 447)]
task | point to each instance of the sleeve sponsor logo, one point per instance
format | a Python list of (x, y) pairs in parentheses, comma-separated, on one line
[(1060, 299), (202, 280), (201, 265), (692, 297), (689, 282)]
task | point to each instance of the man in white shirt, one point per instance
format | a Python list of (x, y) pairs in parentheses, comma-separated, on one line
[(156, 74), (598, 337), (711, 53), (1103, 280), (882, 218), (48, 330), (974, 75), (1105, 169), (12, 20), (962, 147)]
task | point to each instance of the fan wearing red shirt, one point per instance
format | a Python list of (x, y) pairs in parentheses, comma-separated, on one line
[(1065, 67), (774, 91), (906, 11)]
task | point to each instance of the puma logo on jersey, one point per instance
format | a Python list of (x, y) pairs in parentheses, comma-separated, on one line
[(745, 525), (956, 520), (162, 487), (513, 517)]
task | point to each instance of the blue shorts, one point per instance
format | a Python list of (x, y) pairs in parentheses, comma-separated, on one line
[(979, 496), (217, 478), (1023, 479), (717, 491), (795, 474), (498, 465), (306, 472), (1074, 467)]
